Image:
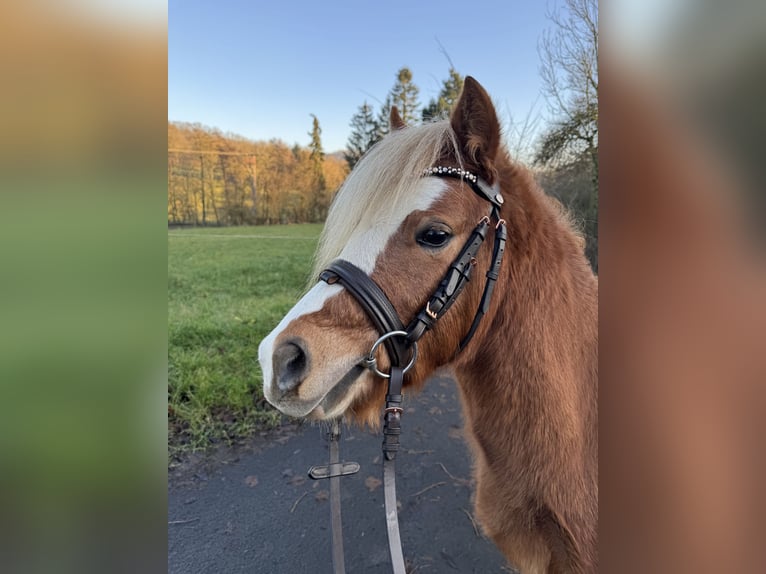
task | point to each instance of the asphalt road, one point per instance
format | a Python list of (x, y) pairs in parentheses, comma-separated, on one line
[(255, 510)]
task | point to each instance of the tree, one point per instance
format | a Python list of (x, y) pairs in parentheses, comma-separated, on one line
[(364, 133), (569, 71), (439, 107), (318, 204), (404, 95), (317, 151), (293, 183), (335, 172), (384, 116)]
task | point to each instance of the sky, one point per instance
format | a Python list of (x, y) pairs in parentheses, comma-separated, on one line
[(260, 69)]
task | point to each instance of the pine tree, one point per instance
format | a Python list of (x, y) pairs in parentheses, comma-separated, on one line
[(404, 95), (318, 207), (364, 133), (317, 152), (439, 108), (384, 115)]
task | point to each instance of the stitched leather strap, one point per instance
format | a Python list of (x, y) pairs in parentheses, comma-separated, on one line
[(501, 235), (338, 560), (455, 280), (392, 420), (374, 302), (391, 431)]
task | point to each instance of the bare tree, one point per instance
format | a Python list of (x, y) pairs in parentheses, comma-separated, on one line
[(569, 71), (520, 133)]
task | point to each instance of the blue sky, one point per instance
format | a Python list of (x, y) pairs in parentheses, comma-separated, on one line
[(260, 69)]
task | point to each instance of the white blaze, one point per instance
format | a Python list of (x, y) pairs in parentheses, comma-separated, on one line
[(311, 302), (365, 246)]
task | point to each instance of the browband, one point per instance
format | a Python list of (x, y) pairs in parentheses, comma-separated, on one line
[(491, 193)]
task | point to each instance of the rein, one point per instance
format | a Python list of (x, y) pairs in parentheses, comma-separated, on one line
[(401, 345)]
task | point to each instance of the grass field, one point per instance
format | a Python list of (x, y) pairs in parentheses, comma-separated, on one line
[(227, 288)]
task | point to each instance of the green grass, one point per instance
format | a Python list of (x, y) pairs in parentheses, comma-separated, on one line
[(227, 288)]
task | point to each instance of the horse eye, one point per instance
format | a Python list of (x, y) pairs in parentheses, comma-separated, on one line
[(434, 237)]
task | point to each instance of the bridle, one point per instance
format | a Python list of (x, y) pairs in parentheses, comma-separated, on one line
[(401, 345)]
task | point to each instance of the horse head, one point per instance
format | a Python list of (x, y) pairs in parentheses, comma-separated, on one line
[(403, 230)]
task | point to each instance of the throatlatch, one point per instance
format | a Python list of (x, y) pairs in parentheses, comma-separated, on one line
[(401, 345)]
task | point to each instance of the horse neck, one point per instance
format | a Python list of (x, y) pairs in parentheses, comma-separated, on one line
[(536, 351)]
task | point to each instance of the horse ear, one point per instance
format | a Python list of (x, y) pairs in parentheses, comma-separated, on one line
[(475, 123), (395, 120)]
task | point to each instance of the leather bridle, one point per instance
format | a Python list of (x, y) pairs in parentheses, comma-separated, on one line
[(401, 345)]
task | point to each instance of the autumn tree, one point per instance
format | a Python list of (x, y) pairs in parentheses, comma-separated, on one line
[(335, 172), (439, 107), (179, 176), (293, 184), (364, 133), (569, 71)]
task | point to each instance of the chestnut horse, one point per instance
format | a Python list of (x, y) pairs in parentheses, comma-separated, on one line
[(528, 378)]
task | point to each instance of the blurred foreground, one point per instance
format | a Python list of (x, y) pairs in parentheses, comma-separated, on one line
[(683, 290), (83, 287)]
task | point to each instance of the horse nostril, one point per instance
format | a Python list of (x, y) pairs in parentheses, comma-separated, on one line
[(290, 365)]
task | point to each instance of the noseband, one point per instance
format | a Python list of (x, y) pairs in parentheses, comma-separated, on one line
[(401, 343)]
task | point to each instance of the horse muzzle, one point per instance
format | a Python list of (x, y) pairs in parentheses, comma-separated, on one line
[(291, 362)]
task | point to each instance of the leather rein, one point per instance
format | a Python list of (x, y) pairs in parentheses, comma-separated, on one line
[(401, 345)]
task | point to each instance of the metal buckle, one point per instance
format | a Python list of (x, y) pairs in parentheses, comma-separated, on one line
[(319, 472), (369, 362)]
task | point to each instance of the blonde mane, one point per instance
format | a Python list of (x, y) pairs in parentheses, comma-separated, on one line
[(386, 174)]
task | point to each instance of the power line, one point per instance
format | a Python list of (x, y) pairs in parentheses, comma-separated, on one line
[(210, 152)]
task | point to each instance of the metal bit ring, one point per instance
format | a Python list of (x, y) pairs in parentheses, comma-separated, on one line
[(371, 363)]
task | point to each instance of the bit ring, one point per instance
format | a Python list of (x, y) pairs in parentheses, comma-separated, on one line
[(371, 363)]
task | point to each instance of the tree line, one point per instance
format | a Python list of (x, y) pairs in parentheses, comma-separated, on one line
[(367, 127), (225, 179)]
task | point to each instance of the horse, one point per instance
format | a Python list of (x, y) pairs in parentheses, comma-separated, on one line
[(528, 376)]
